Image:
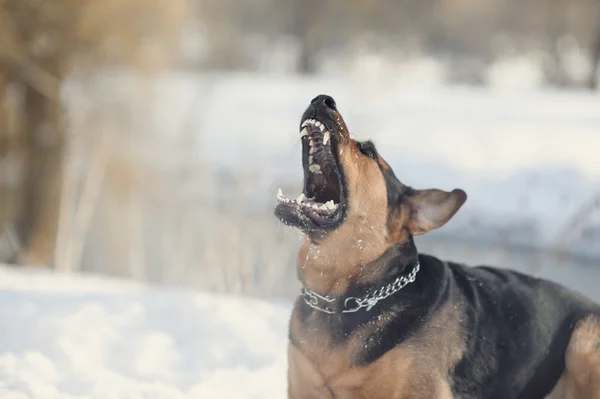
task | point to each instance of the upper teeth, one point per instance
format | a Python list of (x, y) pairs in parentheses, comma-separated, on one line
[(313, 122), (326, 138), (315, 168)]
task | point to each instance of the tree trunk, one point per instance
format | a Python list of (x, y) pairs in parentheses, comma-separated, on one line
[(304, 26), (595, 63), (44, 139)]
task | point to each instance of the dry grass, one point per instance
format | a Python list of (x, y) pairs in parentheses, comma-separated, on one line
[(42, 43)]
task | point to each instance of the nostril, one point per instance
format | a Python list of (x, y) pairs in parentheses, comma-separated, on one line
[(326, 100), (330, 102)]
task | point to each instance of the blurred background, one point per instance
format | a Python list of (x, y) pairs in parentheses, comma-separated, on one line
[(147, 138)]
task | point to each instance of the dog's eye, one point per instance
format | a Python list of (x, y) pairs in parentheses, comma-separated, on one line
[(368, 150)]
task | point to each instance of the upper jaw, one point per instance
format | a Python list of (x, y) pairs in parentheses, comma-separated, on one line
[(321, 205)]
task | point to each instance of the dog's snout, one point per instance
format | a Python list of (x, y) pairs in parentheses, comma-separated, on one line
[(325, 100)]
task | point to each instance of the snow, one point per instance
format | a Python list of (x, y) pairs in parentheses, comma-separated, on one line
[(67, 337)]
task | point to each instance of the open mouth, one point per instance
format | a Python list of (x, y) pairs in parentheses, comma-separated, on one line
[(320, 205)]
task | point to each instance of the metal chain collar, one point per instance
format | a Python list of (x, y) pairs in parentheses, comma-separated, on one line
[(353, 304)]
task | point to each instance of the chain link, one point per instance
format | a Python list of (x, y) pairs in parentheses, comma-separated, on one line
[(354, 304)]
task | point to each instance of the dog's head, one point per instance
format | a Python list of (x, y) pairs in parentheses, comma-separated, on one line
[(350, 190)]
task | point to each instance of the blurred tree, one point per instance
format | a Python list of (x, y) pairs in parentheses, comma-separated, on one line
[(306, 18), (593, 83), (41, 43)]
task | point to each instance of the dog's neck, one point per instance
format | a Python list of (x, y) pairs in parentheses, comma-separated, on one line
[(399, 314), (332, 265)]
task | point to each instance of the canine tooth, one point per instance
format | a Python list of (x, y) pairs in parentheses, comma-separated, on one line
[(304, 132), (301, 198), (279, 194), (326, 137)]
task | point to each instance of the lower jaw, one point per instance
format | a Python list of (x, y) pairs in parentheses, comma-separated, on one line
[(309, 224)]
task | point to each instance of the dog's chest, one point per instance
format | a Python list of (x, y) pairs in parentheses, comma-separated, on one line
[(318, 369), (398, 374), (417, 368)]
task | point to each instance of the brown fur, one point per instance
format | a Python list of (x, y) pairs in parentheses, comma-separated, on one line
[(331, 264), (318, 370), (581, 379)]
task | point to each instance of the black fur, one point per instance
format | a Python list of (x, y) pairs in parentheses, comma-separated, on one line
[(518, 327)]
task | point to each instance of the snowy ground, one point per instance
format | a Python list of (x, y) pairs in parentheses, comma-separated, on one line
[(91, 337)]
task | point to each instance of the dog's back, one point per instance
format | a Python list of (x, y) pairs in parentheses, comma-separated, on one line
[(518, 331)]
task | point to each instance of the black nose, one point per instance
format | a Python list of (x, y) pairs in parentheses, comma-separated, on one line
[(324, 99)]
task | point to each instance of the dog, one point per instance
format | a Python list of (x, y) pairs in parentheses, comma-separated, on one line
[(377, 319)]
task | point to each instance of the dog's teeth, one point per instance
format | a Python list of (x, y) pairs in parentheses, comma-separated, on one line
[(323, 207), (314, 168), (301, 198), (304, 132), (318, 124), (326, 137), (315, 206), (310, 159), (311, 150), (330, 205), (279, 194)]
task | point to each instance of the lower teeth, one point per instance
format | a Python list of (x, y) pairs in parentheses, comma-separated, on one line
[(302, 201)]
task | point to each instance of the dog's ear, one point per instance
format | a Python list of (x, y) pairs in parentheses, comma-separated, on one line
[(431, 209)]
